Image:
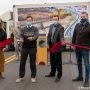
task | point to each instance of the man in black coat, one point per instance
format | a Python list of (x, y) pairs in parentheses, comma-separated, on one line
[(81, 36), (56, 34)]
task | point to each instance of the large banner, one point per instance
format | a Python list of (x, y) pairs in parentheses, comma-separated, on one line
[(42, 15)]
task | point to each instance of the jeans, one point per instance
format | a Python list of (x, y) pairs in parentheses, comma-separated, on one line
[(83, 55)]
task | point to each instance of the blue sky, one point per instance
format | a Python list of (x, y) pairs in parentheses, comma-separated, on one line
[(6, 5)]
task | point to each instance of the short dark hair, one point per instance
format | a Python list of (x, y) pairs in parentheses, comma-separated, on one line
[(56, 16), (84, 13), (29, 16)]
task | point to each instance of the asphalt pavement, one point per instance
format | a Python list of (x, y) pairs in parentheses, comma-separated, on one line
[(43, 83)]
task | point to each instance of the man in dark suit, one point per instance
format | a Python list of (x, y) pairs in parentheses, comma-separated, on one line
[(56, 34)]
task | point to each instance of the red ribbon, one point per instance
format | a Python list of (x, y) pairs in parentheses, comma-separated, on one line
[(6, 42), (58, 45)]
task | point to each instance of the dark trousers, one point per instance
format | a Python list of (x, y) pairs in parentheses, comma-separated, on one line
[(83, 55), (56, 63), (24, 54)]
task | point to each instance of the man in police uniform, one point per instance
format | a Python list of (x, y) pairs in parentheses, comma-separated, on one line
[(28, 37)]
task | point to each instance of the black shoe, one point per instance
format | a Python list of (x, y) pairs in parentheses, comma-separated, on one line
[(50, 75), (86, 83), (77, 79), (17, 59), (57, 79)]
